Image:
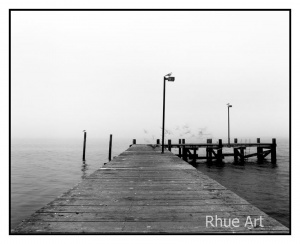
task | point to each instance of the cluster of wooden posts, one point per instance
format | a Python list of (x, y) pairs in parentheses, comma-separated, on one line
[(214, 151)]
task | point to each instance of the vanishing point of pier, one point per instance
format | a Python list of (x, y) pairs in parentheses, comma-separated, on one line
[(144, 191)]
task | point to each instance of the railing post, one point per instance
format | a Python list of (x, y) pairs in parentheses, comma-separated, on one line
[(259, 151), (236, 153), (134, 141), (179, 148), (169, 145), (110, 142), (273, 151), (220, 153), (184, 153), (208, 150), (84, 143)]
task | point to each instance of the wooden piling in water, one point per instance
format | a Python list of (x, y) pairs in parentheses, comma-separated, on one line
[(206, 150), (157, 141), (242, 155), (134, 141), (110, 143), (273, 151), (84, 144)]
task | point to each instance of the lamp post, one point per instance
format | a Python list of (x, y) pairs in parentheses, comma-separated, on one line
[(167, 77), (229, 106)]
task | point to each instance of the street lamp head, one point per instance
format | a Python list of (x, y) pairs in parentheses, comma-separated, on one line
[(228, 105), (168, 77), (172, 79)]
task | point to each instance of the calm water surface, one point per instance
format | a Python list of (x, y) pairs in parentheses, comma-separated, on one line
[(41, 170)]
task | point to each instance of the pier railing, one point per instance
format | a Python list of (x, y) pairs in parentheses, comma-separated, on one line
[(214, 151)]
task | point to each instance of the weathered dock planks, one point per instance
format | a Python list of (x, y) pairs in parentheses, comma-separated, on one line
[(144, 191)]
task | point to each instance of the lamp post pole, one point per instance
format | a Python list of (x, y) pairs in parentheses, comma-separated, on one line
[(163, 122), (229, 106), (168, 78)]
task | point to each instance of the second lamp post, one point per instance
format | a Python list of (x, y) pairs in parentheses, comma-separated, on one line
[(167, 77), (229, 106)]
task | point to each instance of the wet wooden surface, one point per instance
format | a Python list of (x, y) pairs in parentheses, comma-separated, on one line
[(144, 191)]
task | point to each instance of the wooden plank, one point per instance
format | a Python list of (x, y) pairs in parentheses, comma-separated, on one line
[(141, 217), (145, 202), (144, 191), (150, 209), (98, 227)]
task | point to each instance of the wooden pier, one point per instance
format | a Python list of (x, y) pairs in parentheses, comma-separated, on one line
[(145, 192)]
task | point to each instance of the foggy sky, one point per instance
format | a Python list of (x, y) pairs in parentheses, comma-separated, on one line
[(103, 72)]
